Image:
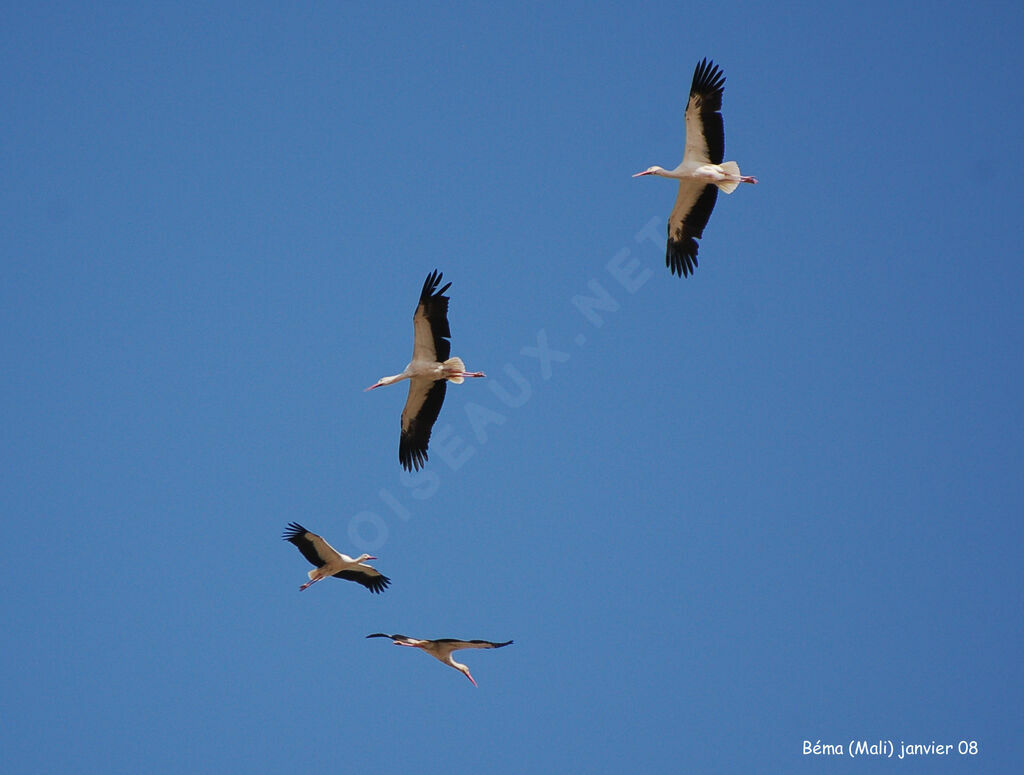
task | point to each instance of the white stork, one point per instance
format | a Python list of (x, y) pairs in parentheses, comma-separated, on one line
[(701, 172), (442, 648), (330, 562), (428, 372)]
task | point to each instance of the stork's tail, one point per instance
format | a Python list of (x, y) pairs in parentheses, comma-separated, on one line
[(455, 364), (731, 169)]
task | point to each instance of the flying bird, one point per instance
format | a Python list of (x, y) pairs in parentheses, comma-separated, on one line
[(442, 648), (428, 372), (330, 562), (701, 173)]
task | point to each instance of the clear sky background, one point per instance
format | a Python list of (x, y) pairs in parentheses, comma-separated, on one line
[(777, 501)]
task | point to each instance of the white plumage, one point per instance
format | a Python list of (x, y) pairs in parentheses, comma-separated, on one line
[(442, 648), (428, 373), (330, 562), (702, 172)]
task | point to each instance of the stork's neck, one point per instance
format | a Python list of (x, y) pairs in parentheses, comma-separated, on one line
[(458, 665), (389, 380), (677, 174), (464, 670)]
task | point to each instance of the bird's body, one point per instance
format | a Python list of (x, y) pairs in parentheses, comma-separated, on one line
[(442, 648), (428, 373), (702, 172), (330, 562)]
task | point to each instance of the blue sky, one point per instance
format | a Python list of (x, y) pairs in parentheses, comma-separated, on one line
[(777, 501)]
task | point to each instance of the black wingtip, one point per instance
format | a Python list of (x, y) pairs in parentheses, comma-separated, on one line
[(412, 459), (378, 584), (681, 257), (430, 289), (708, 78), (294, 531)]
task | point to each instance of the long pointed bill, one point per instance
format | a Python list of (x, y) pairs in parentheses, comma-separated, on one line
[(367, 390), (471, 678), (645, 172)]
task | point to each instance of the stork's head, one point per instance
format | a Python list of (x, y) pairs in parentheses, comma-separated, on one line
[(465, 671), (655, 170), (381, 382), (365, 557)]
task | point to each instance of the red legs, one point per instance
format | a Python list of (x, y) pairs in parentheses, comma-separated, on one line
[(748, 179), (310, 583), (462, 374)]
